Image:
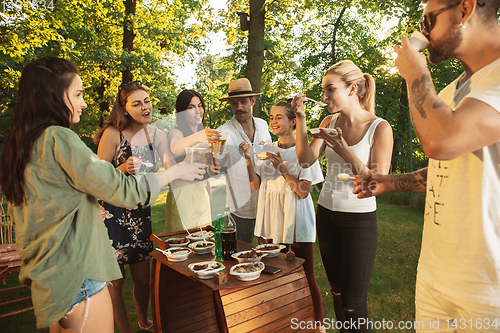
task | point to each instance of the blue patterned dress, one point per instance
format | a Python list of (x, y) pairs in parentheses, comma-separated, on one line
[(129, 229)]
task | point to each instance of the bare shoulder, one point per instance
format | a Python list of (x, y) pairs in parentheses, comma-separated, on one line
[(383, 126), (383, 131), (110, 140), (157, 132), (111, 135), (175, 133), (160, 137)]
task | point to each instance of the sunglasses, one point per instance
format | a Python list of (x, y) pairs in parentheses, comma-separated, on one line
[(428, 21)]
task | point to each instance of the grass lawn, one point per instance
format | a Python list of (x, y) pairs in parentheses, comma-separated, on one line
[(392, 288)]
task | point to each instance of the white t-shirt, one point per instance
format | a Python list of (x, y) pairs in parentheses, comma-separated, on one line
[(239, 195), (281, 214), (336, 194), (460, 253)]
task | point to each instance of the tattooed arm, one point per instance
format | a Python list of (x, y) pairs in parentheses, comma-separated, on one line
[(373, 183), (444, 133)]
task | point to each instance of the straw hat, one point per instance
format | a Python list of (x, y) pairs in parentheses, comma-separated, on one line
[(239, 88)]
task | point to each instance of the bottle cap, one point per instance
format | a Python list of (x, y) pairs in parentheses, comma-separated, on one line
[(219, 216)]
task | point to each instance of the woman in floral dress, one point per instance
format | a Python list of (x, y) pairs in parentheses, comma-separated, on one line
[(133, 146)]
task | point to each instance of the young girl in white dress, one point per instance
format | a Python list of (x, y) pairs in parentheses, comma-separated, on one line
[(285, 210)]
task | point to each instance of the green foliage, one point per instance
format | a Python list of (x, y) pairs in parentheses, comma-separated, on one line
[(305, 37), (213, 74), (90, 34), (302, 39)]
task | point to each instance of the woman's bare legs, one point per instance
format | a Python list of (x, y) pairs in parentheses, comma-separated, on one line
[(119, 310), (141, 277), (98, 319)]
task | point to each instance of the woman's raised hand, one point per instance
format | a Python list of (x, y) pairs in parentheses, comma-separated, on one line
[(298, 105), (245, 147), (132, 165)]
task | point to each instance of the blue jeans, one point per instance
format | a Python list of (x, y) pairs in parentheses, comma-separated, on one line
[(89, 288)]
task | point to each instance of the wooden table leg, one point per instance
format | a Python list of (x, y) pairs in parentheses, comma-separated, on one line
[(219, 310)]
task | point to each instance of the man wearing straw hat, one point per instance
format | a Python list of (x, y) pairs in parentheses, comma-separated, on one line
[(242, 127)]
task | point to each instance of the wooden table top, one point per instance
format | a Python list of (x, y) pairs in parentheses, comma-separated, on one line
[(232, 281)]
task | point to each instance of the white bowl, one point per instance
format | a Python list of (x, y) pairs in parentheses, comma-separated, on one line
[(262, 155), (238, 254), (177, 254), (271, 253), (197, 236), (183, 244), (206, 273), (316, 132), (201, 249), (247, 276)]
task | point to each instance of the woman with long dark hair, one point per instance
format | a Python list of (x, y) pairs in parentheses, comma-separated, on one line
[(132, 145), (51, 180), (346, 226), (188, 203)]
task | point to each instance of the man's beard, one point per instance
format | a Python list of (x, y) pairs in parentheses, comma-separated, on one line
[(444, 48)]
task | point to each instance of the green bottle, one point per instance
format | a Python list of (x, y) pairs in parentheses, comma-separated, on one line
[(218, 240)]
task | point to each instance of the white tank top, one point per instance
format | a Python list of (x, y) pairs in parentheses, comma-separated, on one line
[(336, 194)]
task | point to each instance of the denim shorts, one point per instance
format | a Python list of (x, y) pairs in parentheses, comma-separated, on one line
[(89, 288)]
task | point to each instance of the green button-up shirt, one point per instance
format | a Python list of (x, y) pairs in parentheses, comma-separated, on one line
[(60, 234)]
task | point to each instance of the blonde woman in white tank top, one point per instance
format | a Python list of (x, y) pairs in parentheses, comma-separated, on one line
[(347, 226)]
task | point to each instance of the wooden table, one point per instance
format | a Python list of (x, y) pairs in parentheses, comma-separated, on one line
[(181, 302)]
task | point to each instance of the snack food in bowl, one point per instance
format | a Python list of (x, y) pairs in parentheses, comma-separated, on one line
[(197, 236), (206, 269), (247, 271), (249, 256), (177, 254), (273, 250), (201, 247), (317, 134), (177, 242)]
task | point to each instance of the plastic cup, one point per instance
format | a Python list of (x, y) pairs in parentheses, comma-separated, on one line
[(195, 155), (419, 41), (218, 147)]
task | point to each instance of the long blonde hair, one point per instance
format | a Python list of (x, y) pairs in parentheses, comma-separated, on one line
[(350, 73)]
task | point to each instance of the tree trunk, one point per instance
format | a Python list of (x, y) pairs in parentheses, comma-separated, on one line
[(255, 54), (128, 37), (104, 104), (336, 26)]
